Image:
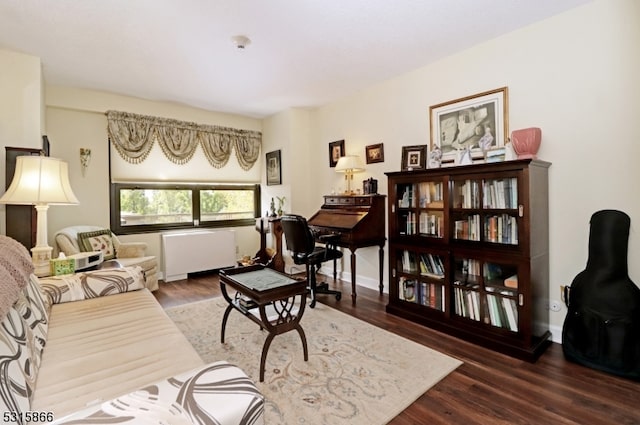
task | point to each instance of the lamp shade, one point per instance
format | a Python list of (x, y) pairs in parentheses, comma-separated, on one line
[(40, 180), (349, 164)]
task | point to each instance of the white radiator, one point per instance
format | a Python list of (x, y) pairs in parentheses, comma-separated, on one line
[(191, 252)]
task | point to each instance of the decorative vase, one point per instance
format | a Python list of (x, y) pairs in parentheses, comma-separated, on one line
[(526, 142)]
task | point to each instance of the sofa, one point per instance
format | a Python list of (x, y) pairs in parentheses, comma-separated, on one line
[(96, 347), (126, 253)]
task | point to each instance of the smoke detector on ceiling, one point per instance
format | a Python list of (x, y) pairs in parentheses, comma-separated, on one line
[(241, 41)]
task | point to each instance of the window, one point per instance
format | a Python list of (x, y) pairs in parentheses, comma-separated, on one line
[(137, 208)]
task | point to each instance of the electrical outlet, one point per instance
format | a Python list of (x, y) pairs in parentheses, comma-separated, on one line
[(555, 305)]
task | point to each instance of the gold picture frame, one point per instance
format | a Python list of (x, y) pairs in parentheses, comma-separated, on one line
[(478, 122)]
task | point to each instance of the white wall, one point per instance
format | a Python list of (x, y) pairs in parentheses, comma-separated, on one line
[(288, 131), (76, 119), (21, 117), (573, 75)]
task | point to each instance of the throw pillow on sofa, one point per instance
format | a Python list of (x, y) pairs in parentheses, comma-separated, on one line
[(20, 344), (92, 284), (99, 240)]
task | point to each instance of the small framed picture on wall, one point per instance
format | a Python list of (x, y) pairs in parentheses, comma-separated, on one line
[(375, 153), (274, 168), (336, 150)]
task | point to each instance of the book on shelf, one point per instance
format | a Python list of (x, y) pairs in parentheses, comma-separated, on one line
[(430, 224), (511, 281), (475, 297), (493, 310), (431, 195), (460, 303), (511, 310), (431, 265), (468, 267), (407, 200), (430, 295), (503, 311), (468, 228), (500, 194), (433, 296), (492, 271), (501, 229), (409, 264), (423, 296), (468, 194), (468, 302), (407, 289), (246, 302)]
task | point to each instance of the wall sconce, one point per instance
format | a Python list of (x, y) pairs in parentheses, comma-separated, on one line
[(85, 159), (349, 165)]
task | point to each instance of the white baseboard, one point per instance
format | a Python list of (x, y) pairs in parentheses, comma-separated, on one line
[(362, 281), (556, 334)]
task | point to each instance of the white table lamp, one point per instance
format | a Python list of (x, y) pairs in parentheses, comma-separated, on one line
[(40, 181), (349, 164)]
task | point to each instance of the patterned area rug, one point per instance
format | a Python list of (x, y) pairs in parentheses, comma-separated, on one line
[(356, 373)]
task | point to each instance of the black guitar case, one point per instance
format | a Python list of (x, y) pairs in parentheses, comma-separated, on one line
[(602, 327)]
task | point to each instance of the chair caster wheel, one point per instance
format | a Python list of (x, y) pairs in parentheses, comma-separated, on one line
[(338, 297)]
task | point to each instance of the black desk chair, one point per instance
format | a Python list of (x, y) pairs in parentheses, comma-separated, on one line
[(302, 244)]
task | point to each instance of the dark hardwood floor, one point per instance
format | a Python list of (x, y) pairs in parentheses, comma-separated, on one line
[(489, 388)]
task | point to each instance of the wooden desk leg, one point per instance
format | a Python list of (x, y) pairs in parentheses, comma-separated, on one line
[(278, 259), (381, 266), (353, 277)]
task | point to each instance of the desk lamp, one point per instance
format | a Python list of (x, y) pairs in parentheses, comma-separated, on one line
[(40, 181), (349, 164)]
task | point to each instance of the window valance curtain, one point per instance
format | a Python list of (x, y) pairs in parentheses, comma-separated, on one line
[(133, 136)]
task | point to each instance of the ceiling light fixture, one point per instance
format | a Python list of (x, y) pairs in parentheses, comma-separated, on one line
[(241, 41)]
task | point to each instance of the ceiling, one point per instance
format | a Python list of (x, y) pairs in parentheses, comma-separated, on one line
[(303, 53)]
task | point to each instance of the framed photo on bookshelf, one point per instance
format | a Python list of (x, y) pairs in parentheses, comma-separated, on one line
[(274, 168), (478, 122), (414, 157), (374, 153)]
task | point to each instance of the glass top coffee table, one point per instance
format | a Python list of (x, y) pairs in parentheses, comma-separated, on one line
[(269, 298)]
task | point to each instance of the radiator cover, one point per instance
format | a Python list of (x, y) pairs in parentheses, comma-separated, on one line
[(191, 252)]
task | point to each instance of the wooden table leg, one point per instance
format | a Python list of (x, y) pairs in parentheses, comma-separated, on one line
[(304, 342), (381, 266), (224, 322), (230, 307), (353, 277), (263, 357)]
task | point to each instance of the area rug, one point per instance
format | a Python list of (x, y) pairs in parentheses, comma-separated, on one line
[(356, 373)]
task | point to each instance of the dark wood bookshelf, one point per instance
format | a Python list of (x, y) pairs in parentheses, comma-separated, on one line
[(491, 232)]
